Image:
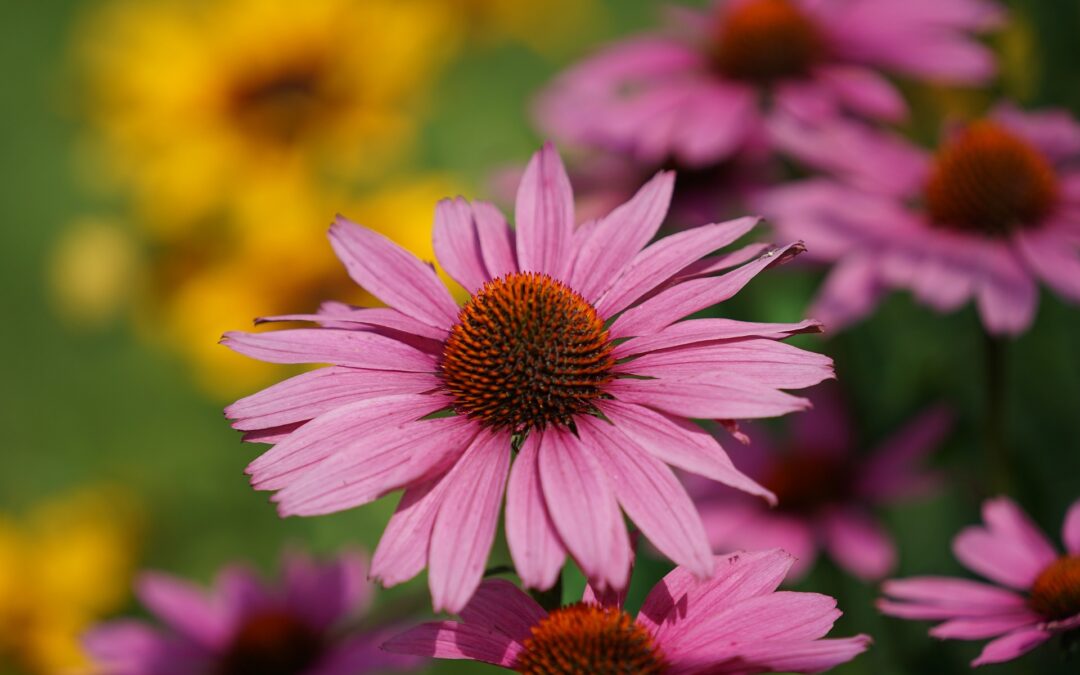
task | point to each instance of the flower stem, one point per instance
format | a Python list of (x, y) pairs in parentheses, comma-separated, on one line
[(998, 461)]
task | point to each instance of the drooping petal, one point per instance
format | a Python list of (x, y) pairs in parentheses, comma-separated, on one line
[(403, 548), (183, 607), (813, 656), (356, 349), (893, 471), (497, 244), (1053, 259), (324, 593), (454, 640), (982, 627), (457, 245), (865, 91), (127, 647), (534, 544), (499, 605), (713, 399), (1010, 549), (858, 543), (1012, 645), (709, 330), (393, 274), (544, 215), (333, 314), (947, 598), (652, 496), (1070, 530), (465, 526)]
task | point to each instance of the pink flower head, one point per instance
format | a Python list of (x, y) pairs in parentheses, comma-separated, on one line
[(733, 622), (244, 626), (996, 210), (1037, 591), (826, 492), (700, 96), (570, 360)]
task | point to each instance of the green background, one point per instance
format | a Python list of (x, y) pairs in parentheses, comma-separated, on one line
[(81, 407)]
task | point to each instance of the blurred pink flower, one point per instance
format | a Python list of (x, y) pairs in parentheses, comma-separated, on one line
[(244, 626), (993, 212), (734, 622), (724, 76), (1013, 553), (571, 350), (826, 491)]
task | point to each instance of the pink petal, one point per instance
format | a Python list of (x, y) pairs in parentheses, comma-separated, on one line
[(1010, 549), (332, 431), (680, 599), (1006, 295), (736, 525), (1056, 133), (865, 92), (850, 293), (314, 393), (1070, 530), (1011, 646), (709, 330), (393, 274), (1053, 259), (858, 543), (800, 657), (544, 213), (980, 628), (947, 598), (333, 314), (680, 443), (324, 593), (684, 299), (496, 240), (457, 245), (892, 471), (184, 607), (713, 123), (665, 258), (376, 464), (499, 605), (651, 495), (403, 549), (744, 399), (357, 349), (453, 640), (465, 527), (612, 243), (534, 545), (582, 506), (127, 647)]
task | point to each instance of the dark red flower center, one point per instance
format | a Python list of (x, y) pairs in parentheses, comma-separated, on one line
[(762, 41), (991, 181), (585, 639), (282, 103), (806, 482), (1056, 591), (271, 643), (526, 352)]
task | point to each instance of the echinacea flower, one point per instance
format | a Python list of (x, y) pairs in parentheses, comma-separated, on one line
[(735, 621), (827, 491), (993, 212), (64, 567), (1035, 594), (570, 358), (699, 96), (244, 626)]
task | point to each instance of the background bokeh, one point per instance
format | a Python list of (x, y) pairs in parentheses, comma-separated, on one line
[(112, 383)]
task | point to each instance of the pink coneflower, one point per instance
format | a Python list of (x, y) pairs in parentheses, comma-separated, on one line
[(733, 622), (993, 212), (701, 95), (1037, 591), (244, 627), (827, 493), (570, 358)]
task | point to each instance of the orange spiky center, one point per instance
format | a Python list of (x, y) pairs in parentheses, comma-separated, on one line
[(762, 41), (806, 482), (271, 643), (1056, 591), (989, 180), (526, 352), (585, 639)]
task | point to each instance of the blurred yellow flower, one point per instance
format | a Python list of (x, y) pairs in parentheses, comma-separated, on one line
[(273, 259), (92, 268), (67, 565), (200, 102)]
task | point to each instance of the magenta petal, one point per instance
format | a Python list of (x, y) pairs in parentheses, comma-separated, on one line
[(1012, 645), (403, 549), (393, 274), (947, 598), (334, 314), (800, 657), (452, 640), (465, 526), (733, 400), (982, 627), (652, 496), (582, 506), (681, 444), (666, 258), (605, 250), (308, 395), (1070, 530), (323, 593), (865, 92), (183, 607), (1006, 296), (544, 214), (457, 245), (126, 647), (708, 330), (499, 605), (1056, 133), (688, 297), (858, 543), (1010, 550), (1053, 259), (357, 349), (534, 544), (497, 246)]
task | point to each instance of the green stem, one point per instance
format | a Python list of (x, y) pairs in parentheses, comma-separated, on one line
[(998, 461)]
